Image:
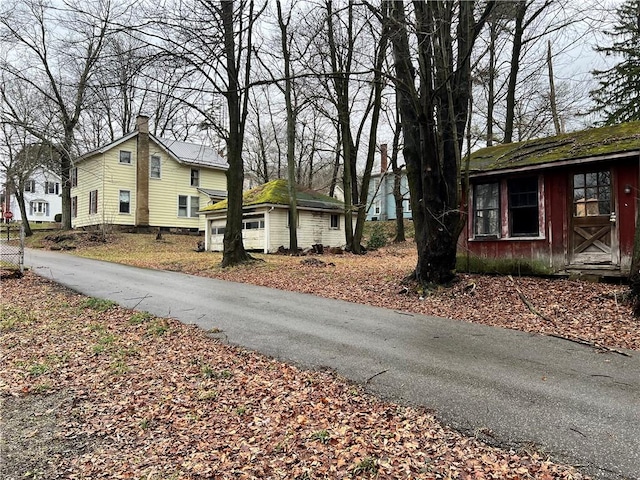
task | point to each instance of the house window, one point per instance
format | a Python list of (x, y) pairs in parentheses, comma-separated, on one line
[(335, 221), (486, 206), (125, 157), (195, 177), (592, 194), (217, 230), (52, 188), (39, 208), (407, 205), (125, 201), (376, 207), (154, 166), (194, 206), (523, 207), (30, 186), (74, 177), (74, 207), (93, 202), (183, 205)]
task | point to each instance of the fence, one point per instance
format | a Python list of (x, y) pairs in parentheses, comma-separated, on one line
[(12, 246)]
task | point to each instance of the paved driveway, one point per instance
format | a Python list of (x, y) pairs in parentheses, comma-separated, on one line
[(581, 406)]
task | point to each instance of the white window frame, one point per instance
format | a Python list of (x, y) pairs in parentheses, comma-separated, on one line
[(195, 179), (186, 209), (127, 203), (30, 186), (39, 208), (336, 217), (125, 157), (155, 159), (93, 202)]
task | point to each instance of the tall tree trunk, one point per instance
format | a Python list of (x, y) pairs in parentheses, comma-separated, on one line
[(291, 135), (23, 210), (398, 197), (513, 73), (233, 251), (552, 92), (433, 122)]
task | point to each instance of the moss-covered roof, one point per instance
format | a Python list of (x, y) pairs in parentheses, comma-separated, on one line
[(276, 192), (588, 143)]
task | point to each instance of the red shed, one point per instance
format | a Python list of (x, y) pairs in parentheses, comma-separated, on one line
[(564, 204)]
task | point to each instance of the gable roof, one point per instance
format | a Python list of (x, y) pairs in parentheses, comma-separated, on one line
[(183, 152), (587, 145), (276, 192)]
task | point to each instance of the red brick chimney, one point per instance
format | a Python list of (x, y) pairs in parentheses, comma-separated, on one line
[(142, 172), (383, 158)]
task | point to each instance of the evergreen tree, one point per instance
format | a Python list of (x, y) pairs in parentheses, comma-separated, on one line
[(618, 93)]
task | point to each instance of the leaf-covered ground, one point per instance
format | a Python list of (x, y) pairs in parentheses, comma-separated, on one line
[(596, 313), (91, 390)]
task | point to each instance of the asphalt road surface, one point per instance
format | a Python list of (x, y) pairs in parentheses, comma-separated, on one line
[(512, 388)]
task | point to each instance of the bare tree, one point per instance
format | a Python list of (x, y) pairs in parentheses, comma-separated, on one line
[(212, 43), (56, 53)]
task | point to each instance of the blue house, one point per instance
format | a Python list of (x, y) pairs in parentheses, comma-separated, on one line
[(380, 202)]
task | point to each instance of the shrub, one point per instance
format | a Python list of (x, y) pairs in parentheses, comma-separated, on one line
[(377, 238)]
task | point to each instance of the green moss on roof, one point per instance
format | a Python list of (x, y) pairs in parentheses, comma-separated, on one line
[(276, 192), (583, 144)]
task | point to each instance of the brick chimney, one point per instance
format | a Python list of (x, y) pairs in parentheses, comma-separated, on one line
[(142, 172), (383, 158)]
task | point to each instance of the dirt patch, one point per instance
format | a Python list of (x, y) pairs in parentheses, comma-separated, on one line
[(32, 441)]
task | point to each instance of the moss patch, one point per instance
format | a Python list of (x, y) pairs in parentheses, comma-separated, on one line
[(507, 266), (583, 144), (276, 192)]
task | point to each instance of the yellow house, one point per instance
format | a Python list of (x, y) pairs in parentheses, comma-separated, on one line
[(141, 181)]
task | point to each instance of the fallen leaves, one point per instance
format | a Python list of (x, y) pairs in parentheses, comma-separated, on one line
[(178, 404)]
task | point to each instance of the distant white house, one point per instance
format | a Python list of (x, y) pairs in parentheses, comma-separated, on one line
[(42, 197)]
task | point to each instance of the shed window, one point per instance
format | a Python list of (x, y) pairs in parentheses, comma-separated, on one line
[(523, 207), (486, 206), (592, 194), (335, 221), (252, 224)]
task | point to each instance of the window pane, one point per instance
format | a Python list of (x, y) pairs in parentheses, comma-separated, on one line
[(578, 180), (125, 198), (154, 167), (604, 178), (487, 211), (591, 179), (195, 206), (125, 157), (182, 205)]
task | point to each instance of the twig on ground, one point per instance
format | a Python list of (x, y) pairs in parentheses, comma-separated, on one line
[(374, 376), (589, 343)]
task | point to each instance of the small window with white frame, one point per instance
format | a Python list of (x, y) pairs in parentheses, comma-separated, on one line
[(93, 202), (30, 186), (125, 157), (125, 201), (335, 221), (195, 177), (486, 206), (155, 166)]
